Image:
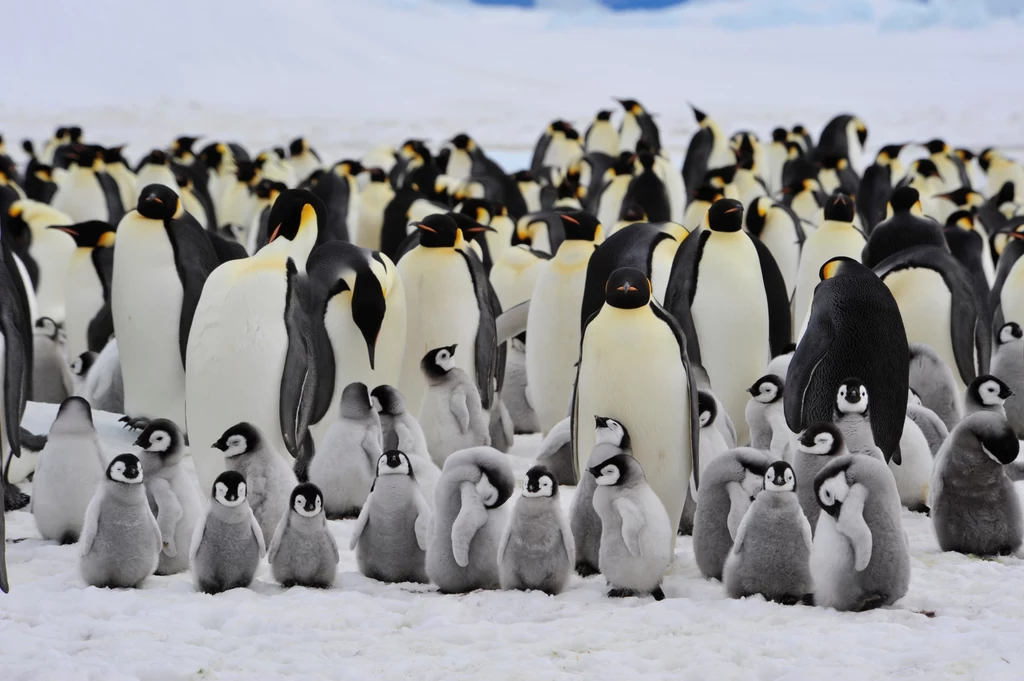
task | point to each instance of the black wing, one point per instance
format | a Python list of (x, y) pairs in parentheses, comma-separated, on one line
[(112, 194), (779, 322), (682, 286), (873, 196), (15, 327), (194, 258), (695, 165), (539, 150), (486, 350)]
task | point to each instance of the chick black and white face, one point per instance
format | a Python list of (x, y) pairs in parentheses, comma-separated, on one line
[(228, 494), (125, 468), (1009, 333), (539, 483), (159, 441), (445, 359), (832, 493), (308, 505), (609, 474), (852, 397), (992, 392), (393, 463), (77, 367), (817, 441), (780, 478), (236, 445), (488, 492), (767, 389), (608, 431), (707, 409)]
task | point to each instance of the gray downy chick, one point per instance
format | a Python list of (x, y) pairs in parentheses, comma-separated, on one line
[(228, 543), (303, 551), (401, 431), (452, 416), (611, 439)]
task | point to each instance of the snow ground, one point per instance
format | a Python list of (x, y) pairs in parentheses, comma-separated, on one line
[(54, 627)]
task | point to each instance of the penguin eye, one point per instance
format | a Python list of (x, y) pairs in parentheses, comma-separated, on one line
[(300, 500)]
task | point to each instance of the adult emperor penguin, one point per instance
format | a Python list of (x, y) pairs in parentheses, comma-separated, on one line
[(155, 168), (373, 199), (854, 329), (907, 227), (448, 301), (876, 185), (552, 327), (778, 228), (88, 283), (938, 306), (601, 135), (843, 137), (51, 249), (365, 308), (637, 125), (648, 191), (117, 167), (303, 157), (835, 237), (732, 342), (161, 264), (951, 168), (273, 379), (709, 148), (86, 192), (634, 369)]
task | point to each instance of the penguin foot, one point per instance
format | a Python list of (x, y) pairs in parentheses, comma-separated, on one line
[(14, 498), (870, 603), (134, 422), (32, 442), (808, 600), (585, 569), (621, 593), (1007, 551), (658, 594), (790, 599)]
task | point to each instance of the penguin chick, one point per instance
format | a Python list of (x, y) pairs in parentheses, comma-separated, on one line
[(933, 381), (636, 533), (120, 538), (390, 537), (79, 368), (986, 393), (929, 423), (974, 506), (611, 439), (911, 465), (469, 517), (537, 551), (772, 550), (555, 453), (726, 491), (303, 551), (228, 543), (69, 470), (343, 465), (851, 416), (860, 559), (52, 381), (401, 431), (452, 415), (819, 444), (767, 419), (1008, 365), (101, 380), (711, 445), (268, 478), (172, 491)]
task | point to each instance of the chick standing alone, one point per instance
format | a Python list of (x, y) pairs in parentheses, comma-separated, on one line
[(303, 551), (228, 543)]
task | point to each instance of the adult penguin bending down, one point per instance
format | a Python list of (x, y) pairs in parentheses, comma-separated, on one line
[(256, 345), (854, 329), (634, 369), (729, 296)]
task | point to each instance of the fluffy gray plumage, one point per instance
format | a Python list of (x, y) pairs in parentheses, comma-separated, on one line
[(303, 551), (555, 453), (935, 384), (932, 427), (226, 548), (974, 506), (806, 464), (711, 445), (452, 416), (513, 391), (726, 488), (537, 551), (469, 516), (861, 556), (1008, 365), (402, 432), (766, 418), (584, 522), (52, 381), (269, 482)]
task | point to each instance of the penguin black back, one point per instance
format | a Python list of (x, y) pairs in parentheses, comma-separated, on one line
[(903, 230)]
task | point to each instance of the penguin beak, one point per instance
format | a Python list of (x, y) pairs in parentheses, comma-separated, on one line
[(595, 471), (221, 445), (834, 509)]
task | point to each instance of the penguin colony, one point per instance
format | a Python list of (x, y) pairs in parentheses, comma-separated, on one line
[(768, 348)]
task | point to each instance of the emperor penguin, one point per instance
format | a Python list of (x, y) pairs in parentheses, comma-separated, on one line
[(699, 205), (731, 483), (951, 169), (853, 419), (269, 380), (402, 431), (771, 552), (1006, 302), (876, 185), (648, 191), (987, 393), (52, 381), (778, 228), (552, 326), (609, 201), (15, 365), (765, 418), (999, 169), (854, 329), (269, 479), (228, 544), (1008, 365), (52, 250), (87, 192), (842, 137), (344, 464), (451, 415), (835, 237), (303, 158), (120, 538), (712, 445), (776, 155), (88, 284), (68, 473), (611, 439), (805, 198), (391, 534), (819, 444), (709, 148), (469, 517), (861, 555), (338, 188), (373, 199), (448, 301), (365, 308), (637, 124), (974, 505), (602, 136), (907, 227), (634, 368), (733, 342), (98, 378), (636, 531), (929, 423), (117, 167), (171, 490), (537, 550), (161, 264), (303, 551), (155, 168)]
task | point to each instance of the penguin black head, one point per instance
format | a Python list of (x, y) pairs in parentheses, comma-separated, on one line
[(631, 106), (45, 326), (621, 469), (767, 389), (964, 196), (646, 160), (961, 219), (265, 189), (348, 167), (439, 231), (889, 153), (80, 365), (161, 436), (852, 397), (821, 438), (609, 431), (387, 400), (463, 141), (633, 212), (157, 157), (126, 469), (926, 168), (480, 210), (624, 164), (521, 176), (780, 478), (90, 234), (989, 391), (394, 462), (801, 130), (831, 486), (581, 226), (699, 115), (75, 134), (297, 146), (159, 202), (862, 131), (181, 147), (377, 175), (720, 177), (60, 133), (779, 135), (726, 215), (604, 115), (840, 208), (539, 482), (85, 156), (837, 267), (229, 488), (936, 146), (77, 407), (707, 409), (113, 155), (627, 289), (239, 439), (1009, 332), (245, 171), (965, 155), (295, 210), (307, 500), (439, 361), (355, 401), (707, 193), (904, 199)]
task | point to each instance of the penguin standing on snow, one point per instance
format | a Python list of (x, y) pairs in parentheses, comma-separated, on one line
[(906, 228), (452, 413), (853, 420), (304, 159), (228, 543), (402, 431), (842, 137), (303, 551), (88, 286), (765, 417), (611, 439), (819, 444), (373, 199), (52, 381), (1008, 365)]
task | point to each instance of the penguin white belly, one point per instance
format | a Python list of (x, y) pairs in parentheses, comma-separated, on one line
[(371, 215), (156, 174), (721, 154), (603, 138), (806, 208), (80, 196), (84, 300), (237, 207), (831, 562), (926, 307), (501, 238), (673, 181), (236, 354), (553, 330), (1011, 298), (515, 275), (914, 474), (780, 239), (629, 135), (610, 203), (821, 245), (730, 314), (194, 208), (776, 158), (352, 216), (748, 187), (441, 309), (52, 250), (460, 165), (126, 186), (695, 214), (631, 371)]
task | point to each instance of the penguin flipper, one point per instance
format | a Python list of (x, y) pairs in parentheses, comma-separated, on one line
[(357, 531), (853, 526), (89, 525), (811, 352), (695, 164), (100, 329), (486, 346), (472, 516), (741, 533), (421, 527), (539, 151), (633, 523), (275, 542), (169, 512), (682, 286), (779, 324), (197, 537), (258, 532), (688, 367), (568, 543), (194, 258), (460, 409), (17, 361), (112, 195)]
